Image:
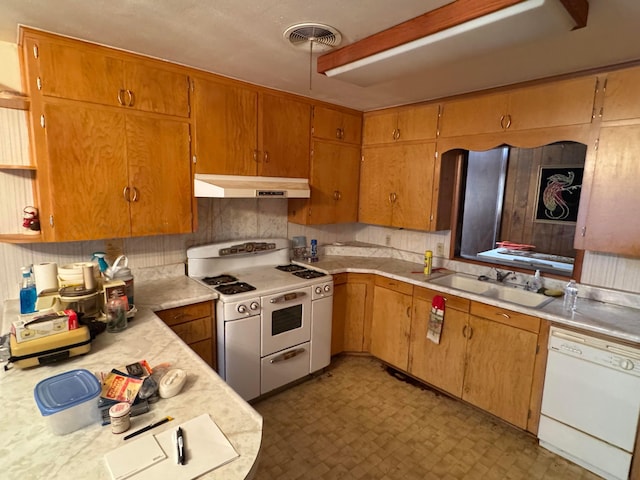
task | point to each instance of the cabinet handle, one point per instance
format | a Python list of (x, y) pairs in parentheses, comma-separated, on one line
[(135, 194), (339, 195), (505, 315), (394, 197), (336, 195), (266, 156), (398, 134), (36, 53), (390, 197), (39, 83), (470, 333), (180, 316), (409, 312), (393, 134), (508, 122), (464, 331), (121, 97), (255, 156), (502, 122), (125, 194), (131, 98), (339, 133)]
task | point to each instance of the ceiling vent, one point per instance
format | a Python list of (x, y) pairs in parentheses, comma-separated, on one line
[(317, 36)]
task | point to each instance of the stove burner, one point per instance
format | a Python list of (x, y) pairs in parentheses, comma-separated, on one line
[(220, 279), (290, 268), (233, 288), (308, 274)]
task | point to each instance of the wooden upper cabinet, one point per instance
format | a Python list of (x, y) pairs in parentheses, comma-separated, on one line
[(403, 124), (78, 71), (226, 128), (612, 199), (621, 95), (397, 184), (331, 124), (335, 173), (567, 102), (284, 134), (159, 174)]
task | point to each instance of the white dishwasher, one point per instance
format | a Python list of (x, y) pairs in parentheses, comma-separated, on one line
[(591, 402)]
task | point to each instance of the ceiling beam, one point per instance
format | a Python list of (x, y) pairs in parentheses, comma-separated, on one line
[(447, 16), (579, 11)]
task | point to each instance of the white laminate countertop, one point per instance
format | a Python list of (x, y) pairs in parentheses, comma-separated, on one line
[(616, 321), (30, 450)]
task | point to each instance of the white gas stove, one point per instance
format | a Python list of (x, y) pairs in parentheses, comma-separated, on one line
[(273, 317)]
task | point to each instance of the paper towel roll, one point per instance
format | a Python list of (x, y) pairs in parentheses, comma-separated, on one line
[(46, 276)]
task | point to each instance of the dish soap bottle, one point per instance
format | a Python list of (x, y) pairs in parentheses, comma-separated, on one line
[(536, 282), (28, 294)]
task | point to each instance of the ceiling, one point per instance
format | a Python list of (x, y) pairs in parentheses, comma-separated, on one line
[(244, 40)]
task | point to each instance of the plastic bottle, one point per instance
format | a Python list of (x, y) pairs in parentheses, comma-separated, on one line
[(536, 282), (28, 293), (428, 262), (570, 296), (314, 250)]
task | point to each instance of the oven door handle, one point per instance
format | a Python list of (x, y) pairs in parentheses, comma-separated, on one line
[(287, 297), (287, 355)]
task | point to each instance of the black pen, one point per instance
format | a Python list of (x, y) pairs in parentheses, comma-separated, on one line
[(180, 446), (148, 427)]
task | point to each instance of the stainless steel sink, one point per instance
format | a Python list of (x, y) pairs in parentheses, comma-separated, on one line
[(468, 283)]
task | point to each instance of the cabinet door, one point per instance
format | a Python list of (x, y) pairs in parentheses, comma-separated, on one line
[(379, 128), (377, 174), (159, 175), (413, 185), (330, 124), (226, 125), (613, 198), (472, 116), (78, 72), (391, 324), (154, 89), (335, 172), (440, 364), (85, 173), (499, 372), (555, 104), (284, 137), (417, 123), (621, 95), (349, 313)]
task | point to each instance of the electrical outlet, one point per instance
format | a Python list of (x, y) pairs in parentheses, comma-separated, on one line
[(440, 249), (113, 248)]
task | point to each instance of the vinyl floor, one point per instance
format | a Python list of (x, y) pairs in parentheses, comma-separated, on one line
[(358, 421)]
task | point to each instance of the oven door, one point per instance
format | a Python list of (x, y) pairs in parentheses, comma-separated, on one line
[(286, 320)]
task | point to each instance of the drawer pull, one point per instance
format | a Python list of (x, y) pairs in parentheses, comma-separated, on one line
[(287, 355), (505, 315)]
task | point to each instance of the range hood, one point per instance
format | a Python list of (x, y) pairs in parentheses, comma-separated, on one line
[(235, 186)]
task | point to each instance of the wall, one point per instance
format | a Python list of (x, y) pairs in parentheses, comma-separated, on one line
[(10, 71), (219, 220)]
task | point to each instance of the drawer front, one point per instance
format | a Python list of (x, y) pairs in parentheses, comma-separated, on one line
[(506, 317), (395, 285), (195, 330), (451, 301), (178, 315)]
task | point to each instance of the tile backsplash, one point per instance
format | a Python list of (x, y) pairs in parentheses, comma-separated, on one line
[(227, 219)]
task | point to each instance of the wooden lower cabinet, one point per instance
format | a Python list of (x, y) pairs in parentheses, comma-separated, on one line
[(195, 325), (352, 303), (391, 321), (439, 364), (500, 363), (490, 357)]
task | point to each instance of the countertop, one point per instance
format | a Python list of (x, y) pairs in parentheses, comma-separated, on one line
[(620, 322), (30, 450)]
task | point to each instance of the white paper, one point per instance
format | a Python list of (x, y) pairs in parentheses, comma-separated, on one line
[(206, 448), (134, 457)]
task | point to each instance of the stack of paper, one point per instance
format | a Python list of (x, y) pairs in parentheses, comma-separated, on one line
[(154, 457)]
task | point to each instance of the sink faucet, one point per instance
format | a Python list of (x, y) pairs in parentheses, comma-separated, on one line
[(502, 276)]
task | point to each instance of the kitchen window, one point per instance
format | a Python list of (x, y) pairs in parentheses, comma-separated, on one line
[(525, 196)]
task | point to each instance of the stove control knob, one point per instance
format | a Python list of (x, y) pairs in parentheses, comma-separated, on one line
[(242, 308), (626, 364), (254, 306), (318, 290), (327, 288)]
